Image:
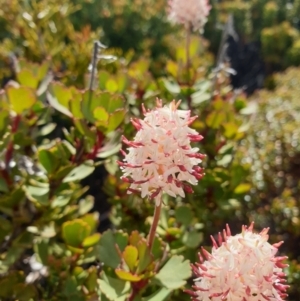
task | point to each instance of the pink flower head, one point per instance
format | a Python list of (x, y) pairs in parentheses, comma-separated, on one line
[(160, 158), (240, 268), (191, 13)]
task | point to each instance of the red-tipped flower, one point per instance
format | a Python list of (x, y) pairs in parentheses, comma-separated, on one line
[(191, 13), (160, 158), (240, 268)]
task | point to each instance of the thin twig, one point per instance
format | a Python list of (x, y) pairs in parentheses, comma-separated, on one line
[(98, 46), (227, 31)]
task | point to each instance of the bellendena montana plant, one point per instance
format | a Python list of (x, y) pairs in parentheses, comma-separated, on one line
[(116, 168)]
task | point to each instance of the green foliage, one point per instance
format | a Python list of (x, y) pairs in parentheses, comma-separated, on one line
[(40, 211), (273, 151)]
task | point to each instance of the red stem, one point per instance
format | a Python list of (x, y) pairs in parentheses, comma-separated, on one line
[(96, 147), (154, 224), (138, 286)]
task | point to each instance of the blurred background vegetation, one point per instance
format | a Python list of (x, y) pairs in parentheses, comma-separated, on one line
[(250, 120)]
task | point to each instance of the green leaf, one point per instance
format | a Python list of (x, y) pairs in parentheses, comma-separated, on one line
[(111, 85), (61, 93), (127, 276), (41, 249), (74, 232), (4, 119), (38, 194), (4, 103), (114, 289), (80, 172), (57, 106), (109, 150), (90, 102), (194, 47), (104, 99), (114, 102), (130, 256), (91, 240), (199, 97), (70, 290), (24, 240), (134, 238), (115, 119), (145, 257), (231, 130), (100, 114), (164, 216), (13, 254), (172, 87), (242, 188), (174, 273), (60, 201), (121, 239), (159, 295), (173, 231), (83, 129), (48, 160), (47, 129), (92, 220), (26, 78), (5, 229), (103, 78), (9, 282), (62, 172), (215, 119), (226, 149), (75, 104), (48, 230), (251, 108), (123, 81), (76, 250), (184, 215), (172, 68), (240, 103), (13, 199), (225, 160), (192, 239), (59, 98), (107, 250), (43, 69), (25, 292), (3, 185), (85, 205), (91, 281), (21, 99), (43, 87), (158, 248)]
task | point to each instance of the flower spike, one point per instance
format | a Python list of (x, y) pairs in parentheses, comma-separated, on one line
[(242, 268), (161, 159), (190, 13)]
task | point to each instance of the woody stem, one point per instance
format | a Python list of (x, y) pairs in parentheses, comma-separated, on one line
[(188, 62)]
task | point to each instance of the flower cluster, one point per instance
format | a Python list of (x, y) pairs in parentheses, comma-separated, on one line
[(240, 268), (160, 158), (191, 13)]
